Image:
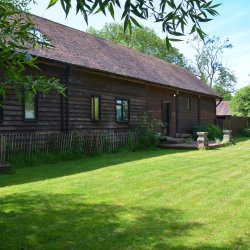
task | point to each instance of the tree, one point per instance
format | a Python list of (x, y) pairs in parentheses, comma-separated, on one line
[(208, 65), (174, 16), (240, 103), (225, 83), (208, 57), (18, 34), (144, 40)]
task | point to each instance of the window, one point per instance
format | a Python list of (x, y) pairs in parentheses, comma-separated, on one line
[(95, 108), (122, 110), (188, 103), (30, 107)]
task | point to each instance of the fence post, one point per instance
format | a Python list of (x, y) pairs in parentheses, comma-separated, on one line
[(2, 149)]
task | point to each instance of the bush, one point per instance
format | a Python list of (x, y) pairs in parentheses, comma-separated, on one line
[(213, 131), (146, 134), (246, 132)]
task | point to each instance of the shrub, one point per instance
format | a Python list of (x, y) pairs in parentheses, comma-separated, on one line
[(246, 132), (146, 133), (214, 132)]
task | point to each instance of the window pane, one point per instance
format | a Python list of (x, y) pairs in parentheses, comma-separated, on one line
[(95, 108), (118, 112), (30, 107), (118, 101), (97, 105), (125, 110)]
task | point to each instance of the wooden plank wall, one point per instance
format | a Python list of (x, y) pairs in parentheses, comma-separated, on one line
[(156, 96), (84, 85), (208, 111), (144, 99), (49, 114), (188, 118)]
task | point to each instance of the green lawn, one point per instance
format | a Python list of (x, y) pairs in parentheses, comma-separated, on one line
[(158, 199)]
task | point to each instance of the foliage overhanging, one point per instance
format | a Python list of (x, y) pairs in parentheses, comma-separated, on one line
[(18, 35)]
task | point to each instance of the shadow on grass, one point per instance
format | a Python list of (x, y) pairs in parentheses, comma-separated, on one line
[(60, 169), (63, 222), (58, 221)]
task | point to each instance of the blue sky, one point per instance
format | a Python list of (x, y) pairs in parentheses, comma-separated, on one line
[(233, 23)]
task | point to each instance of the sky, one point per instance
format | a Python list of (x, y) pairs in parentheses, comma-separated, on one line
[(232, 23)]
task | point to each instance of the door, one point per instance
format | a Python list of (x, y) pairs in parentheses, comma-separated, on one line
[(166, 117)]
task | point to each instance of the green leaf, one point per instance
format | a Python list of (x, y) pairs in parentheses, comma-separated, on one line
[(126, 22), (85, 16), (135, 22), (125, 13), (130, 27), (52, 2), (103, 5), (193, 29), (111, 10), (171, 4), (168, 44), (215, 6), (94, 6), (118, 3), (68, 6), (175, 40), (201, 33), (175, 33)]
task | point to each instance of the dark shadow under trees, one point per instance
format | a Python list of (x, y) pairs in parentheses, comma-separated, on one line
[(59, 221)]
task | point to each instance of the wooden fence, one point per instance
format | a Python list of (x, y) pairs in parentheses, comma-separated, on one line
[(236, 124), (87, 142)]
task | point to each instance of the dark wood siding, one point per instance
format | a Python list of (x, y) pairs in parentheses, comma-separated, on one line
[(188, 116), (208, 110), (49, 110), (156, 96), (82, 84)]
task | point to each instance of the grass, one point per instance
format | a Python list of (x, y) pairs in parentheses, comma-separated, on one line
[(158, 199)]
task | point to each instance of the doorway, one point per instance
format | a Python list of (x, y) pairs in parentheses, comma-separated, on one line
[(166, 117)]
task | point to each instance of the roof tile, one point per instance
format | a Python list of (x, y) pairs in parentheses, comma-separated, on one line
[(79, 48)]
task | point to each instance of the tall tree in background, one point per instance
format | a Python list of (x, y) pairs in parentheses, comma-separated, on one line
[(18, 34), (208, 64), (144, 40), (225, 83), (240, 103), (173, 16)]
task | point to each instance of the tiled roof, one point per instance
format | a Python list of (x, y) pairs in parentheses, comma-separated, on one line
[(76, 47), (223, 109)]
